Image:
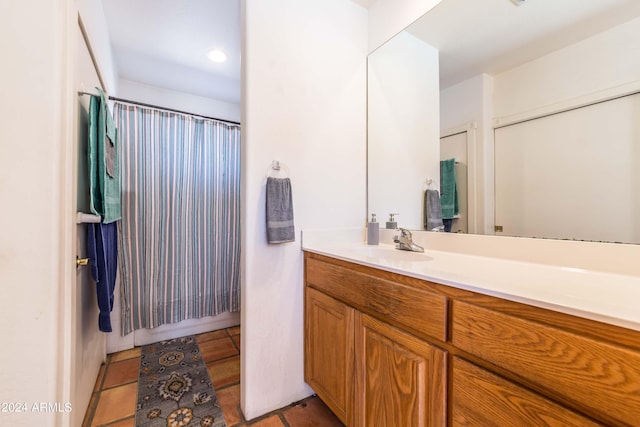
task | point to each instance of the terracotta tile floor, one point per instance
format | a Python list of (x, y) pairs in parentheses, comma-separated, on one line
[(113, 402)]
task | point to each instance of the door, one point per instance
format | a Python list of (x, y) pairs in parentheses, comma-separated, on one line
[(88, 343), (571, 175), (401, 380), (455, 147)]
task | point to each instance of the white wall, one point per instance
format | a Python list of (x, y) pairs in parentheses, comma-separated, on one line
[(95, 25), (182, 101), (36, 264), (389, 17), (605, 63), (404, 128), (304, 92), (465, 101)]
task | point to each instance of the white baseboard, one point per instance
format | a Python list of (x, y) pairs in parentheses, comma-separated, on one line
[(180, 329)]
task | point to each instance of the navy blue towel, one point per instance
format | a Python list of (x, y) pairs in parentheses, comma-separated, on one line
[(102, 245)]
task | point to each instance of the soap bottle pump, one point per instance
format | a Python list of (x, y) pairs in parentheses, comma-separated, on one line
[(392, 224), (373, 231)]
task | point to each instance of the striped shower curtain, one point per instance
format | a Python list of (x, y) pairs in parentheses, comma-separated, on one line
[(180, 227)]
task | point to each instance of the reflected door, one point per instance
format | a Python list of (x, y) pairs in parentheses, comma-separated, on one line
[(571, 175), (455, 147)]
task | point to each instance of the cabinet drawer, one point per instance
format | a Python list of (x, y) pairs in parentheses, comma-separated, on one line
[(415, 310), (480, 398), (599, 378)]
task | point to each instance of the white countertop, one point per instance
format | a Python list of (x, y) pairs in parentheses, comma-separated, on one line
[(603, 296)]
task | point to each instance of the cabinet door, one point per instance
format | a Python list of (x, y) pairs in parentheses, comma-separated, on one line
[(480, 398), (400, 379), (329, 357)]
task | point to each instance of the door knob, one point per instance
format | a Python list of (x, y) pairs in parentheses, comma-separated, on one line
[(81, 261)]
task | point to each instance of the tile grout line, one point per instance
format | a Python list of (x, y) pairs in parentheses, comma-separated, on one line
[(283, 419), (91, 411), (222, 359), (241, 412), (234, 343), (120, 385), (107, 364), (238, 409), (226, 386), (226, 330), (243, 420), (110, 423)]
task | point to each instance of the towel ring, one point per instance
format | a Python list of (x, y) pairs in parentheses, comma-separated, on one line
[(277, 170), (429, 185)]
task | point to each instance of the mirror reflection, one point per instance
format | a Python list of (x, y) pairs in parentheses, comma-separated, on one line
[(535, 106)]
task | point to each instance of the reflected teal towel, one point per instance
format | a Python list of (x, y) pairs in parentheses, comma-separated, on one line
[(104, 171), (448, 189)]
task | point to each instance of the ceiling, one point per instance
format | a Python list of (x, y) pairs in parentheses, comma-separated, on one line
[(490, 36), (364, 3), (165, 43)]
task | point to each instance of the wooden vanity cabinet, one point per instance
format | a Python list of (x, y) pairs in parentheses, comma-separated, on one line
[(368, 371), (384, 349)]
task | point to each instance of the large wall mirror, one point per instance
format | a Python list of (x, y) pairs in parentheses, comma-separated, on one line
[(538, 104)]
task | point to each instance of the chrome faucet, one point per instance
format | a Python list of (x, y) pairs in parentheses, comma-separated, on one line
[(404, 242)]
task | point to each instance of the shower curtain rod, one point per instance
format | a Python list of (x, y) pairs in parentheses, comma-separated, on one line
[(142, 104)]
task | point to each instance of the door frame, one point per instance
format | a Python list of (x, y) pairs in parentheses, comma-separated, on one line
[(67, 206)]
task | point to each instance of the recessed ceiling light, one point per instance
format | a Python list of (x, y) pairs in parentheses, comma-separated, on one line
[(217, 55)]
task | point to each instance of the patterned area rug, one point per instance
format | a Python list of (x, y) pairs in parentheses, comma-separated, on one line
[(174, 388)]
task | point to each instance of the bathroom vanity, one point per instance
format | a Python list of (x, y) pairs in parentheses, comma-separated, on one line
[(387, 344)]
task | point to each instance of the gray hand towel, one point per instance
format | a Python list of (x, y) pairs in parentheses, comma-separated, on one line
[(280, 227), (433, 213)]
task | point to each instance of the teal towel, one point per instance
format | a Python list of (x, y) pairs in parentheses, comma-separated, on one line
[(448, 189), (104, 171)]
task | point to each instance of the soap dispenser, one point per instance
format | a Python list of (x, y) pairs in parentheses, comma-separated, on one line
[(373, 231), (392, 223)]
